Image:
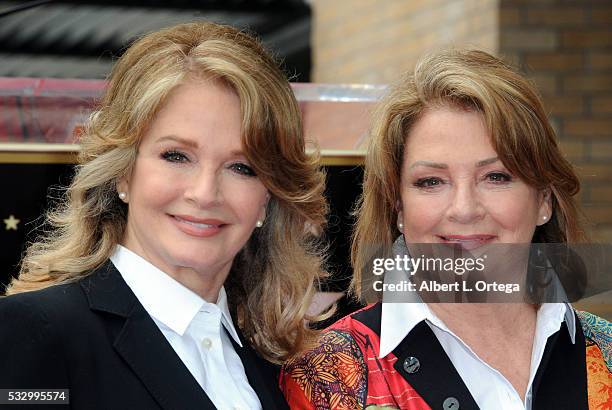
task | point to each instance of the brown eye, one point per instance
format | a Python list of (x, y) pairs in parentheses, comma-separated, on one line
[(174, 156), (498, 177), (243, 169), (430, 182)]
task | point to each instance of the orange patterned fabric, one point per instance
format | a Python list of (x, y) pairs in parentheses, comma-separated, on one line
[(332, 375), (344, 372), (599, 379)]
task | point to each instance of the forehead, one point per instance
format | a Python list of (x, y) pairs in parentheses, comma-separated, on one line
[(199, 110), (446, 134), (198, 96)]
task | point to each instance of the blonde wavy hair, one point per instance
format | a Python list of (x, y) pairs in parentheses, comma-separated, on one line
[(274, 277), (520, 133)]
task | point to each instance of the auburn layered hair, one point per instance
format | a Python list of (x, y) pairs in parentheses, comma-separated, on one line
[(519, 129), (274, 277)]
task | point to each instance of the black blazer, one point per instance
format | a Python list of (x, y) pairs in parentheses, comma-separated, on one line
[(560, 382), (96, 339)]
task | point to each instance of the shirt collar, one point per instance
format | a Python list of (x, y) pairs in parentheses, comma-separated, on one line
[(165, 299), (398, 319), (400, 315)]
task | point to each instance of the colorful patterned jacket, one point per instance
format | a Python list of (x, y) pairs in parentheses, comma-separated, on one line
[(344, 372)]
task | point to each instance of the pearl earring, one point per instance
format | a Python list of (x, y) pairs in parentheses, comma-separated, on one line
[(544, 218), (122, 195), (259, 223), (400, 225)]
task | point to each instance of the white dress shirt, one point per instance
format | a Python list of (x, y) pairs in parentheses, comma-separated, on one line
[(194, 329), (497, 393)]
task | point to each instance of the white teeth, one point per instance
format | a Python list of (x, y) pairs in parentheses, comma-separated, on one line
[(197, 225)]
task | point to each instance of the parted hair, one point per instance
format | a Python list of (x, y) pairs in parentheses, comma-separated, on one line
[(519, 129), (274, 277)]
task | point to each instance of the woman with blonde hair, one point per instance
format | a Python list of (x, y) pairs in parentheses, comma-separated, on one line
[(178, 266), (462, 159)]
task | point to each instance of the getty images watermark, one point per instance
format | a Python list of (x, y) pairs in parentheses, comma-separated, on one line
[(535, 273), (413, 266)]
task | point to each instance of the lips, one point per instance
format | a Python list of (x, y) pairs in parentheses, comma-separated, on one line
[(467, 241), (198, 227)]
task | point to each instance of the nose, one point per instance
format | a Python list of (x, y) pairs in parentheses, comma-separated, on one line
[(203, 188), (465, 206)]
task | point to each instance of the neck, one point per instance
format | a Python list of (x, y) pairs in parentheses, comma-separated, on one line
[(206, 287), (481, 317)]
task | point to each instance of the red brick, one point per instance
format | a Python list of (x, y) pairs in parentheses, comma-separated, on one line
[(601, 105), (601, 194), (555, 61), (556, 16), (572, 150), (601, 150), (509, 16), (546, 83), (599, 214), (601, 15), (587, 38), (528, 39), (591, 83), (594, 173), (601, 233), (564, 105), (588, 128), (601, 60)]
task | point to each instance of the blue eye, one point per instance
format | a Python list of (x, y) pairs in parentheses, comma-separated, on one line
[(498, 177), (243, 169), (174, 156), (429, 182)]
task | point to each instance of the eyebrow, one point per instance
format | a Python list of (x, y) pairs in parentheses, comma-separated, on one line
[(194, 144), (180, 140), (440, 165), (486, 162), (237, 153)]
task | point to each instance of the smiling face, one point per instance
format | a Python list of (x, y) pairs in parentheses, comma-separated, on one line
[(454, 189), (193, 199)]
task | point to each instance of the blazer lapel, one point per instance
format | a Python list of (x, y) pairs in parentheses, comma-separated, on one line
[(141, 344), (562, 369), (422, 361), (262, 375)]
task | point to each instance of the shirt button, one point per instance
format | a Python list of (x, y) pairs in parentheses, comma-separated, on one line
[(412, 365), (450, 403), (206, 343)]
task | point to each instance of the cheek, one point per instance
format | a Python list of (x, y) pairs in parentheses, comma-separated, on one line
[(151, 189), (507, 215), (515, 212), (245, 197), (421, 213)]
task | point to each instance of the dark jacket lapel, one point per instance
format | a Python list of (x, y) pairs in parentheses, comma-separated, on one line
[(138, 340), (562, 369), (436, 379), (263, 376), (428, 369)]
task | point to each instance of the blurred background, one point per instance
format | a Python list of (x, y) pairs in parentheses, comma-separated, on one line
[(565, 46)]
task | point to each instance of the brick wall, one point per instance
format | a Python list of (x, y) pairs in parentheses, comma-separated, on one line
[(566, 47), (373, 41)]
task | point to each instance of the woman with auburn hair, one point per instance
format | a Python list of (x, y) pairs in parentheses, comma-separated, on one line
[(461, 157), (181, 244)]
